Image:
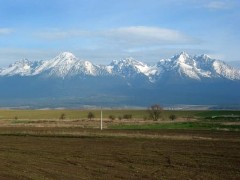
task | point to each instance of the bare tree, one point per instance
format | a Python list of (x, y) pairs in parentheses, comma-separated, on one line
[(155, 111)]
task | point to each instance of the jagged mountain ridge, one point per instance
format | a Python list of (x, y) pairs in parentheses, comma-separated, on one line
[(198, 67), (179, 66), (67, 80)]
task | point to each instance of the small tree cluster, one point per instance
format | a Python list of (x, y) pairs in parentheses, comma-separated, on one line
[(127, 116)]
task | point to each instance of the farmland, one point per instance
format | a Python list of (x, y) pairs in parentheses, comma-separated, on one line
[(36, 144)]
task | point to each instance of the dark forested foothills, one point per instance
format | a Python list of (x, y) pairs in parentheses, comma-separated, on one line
[(68, 144)]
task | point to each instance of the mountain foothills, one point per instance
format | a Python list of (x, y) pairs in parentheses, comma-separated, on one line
[(68, 81)]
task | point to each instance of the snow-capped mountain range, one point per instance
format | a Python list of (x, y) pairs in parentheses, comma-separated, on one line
[(179, 66), (69, 81)]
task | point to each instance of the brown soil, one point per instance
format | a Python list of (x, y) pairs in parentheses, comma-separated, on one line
[(75, 153)]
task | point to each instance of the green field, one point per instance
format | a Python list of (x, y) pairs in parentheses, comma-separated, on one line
[(82, 114), (70, 114)]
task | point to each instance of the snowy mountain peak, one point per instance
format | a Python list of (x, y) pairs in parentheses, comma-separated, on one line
[(131, 60), (66, 64), (130, 67), (22, 67), (125, 62), (125, 67), (21, 63), (203, 57), (66, 55), (58, 66), (64, 58), (198, 67), (182, 56), (128, 63)]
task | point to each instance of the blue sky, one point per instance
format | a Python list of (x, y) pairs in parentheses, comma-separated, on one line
[(103, 30)]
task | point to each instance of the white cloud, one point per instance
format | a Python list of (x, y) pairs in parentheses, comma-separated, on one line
[(127, 36), (143, 35), (100, 45), (5, 31)]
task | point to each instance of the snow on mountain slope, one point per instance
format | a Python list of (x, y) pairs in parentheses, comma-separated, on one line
[(130, 67), (22, 68), (197, 67), (226, 71), (66, 64), (179, 66), (60, 65), (87, 68)]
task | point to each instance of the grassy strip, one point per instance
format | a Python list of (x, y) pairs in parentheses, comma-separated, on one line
[(204, 114), (33, 121), (82, 114), (182, 125), (69, 114), (48, 135)]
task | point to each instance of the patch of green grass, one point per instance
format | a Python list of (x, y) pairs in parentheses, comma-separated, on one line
[(82, 114), (205, 114), (181, 125), (223, 119), (70, 114)]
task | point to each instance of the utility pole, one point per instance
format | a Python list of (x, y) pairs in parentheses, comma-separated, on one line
[(101, 119)]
